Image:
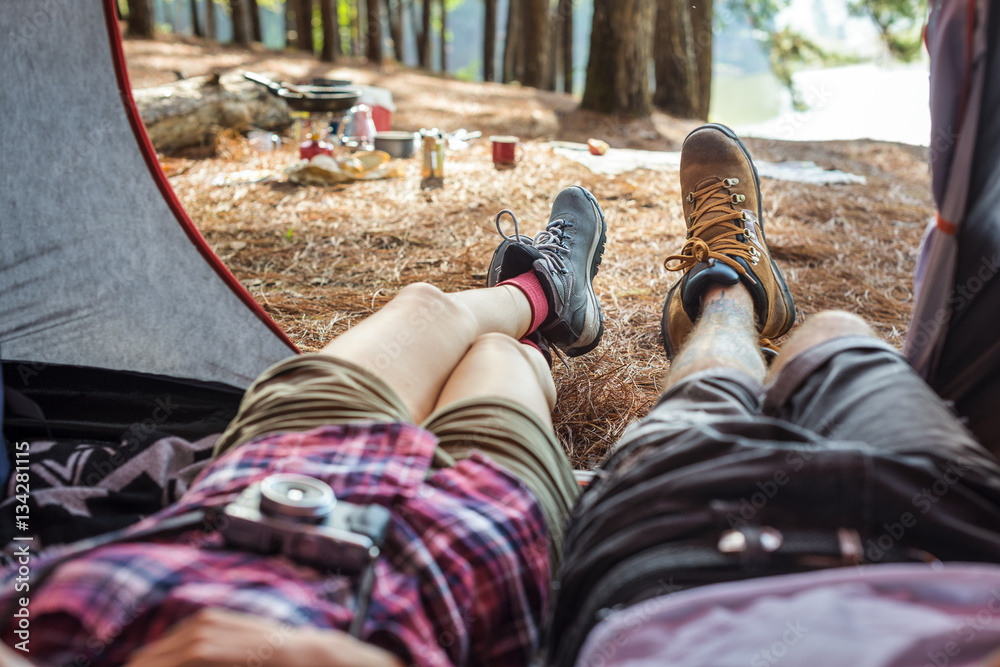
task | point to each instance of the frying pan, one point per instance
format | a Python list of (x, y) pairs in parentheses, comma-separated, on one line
[(309, 98)]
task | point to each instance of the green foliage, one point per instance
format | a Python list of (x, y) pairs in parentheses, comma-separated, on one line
[(898, 21), (470, 72)]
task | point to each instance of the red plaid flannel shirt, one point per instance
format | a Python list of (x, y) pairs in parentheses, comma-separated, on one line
[(463, 578)]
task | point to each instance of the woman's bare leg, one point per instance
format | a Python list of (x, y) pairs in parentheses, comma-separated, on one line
[(498, 366), (416, 341)]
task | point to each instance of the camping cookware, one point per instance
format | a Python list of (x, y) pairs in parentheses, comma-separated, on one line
[(357, 128), (504, 151), (396, 144), (309, 98)]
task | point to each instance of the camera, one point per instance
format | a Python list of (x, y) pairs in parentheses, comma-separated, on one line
[(299, 517)]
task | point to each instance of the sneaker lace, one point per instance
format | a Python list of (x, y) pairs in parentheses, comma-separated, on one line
[(724, 246), (551, 241)]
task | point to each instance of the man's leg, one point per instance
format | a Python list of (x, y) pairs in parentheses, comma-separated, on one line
[(664, 483), (837, 379), (723, 337)]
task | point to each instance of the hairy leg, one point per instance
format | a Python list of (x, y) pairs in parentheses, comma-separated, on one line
[(725, 336), (415, 342)]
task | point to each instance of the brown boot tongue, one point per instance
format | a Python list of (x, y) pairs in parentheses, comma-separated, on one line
[(721, 196)]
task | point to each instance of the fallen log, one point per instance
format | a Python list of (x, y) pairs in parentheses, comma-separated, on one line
[(192, 112)]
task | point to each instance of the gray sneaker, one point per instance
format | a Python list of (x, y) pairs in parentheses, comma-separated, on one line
[(565, 256)]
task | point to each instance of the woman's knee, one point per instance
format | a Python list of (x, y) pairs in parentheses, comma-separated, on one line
[(428, 305), (503, 345)]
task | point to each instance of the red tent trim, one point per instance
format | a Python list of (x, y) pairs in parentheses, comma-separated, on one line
[(149, 154)]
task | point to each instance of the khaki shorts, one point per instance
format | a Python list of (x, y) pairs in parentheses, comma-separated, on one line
[(313, 390)]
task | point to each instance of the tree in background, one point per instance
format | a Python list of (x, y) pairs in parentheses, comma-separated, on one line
[(395, 9), (512, 51), (683, 58), (489, 40), (299, 14), (564, 12), (256, 34), (210, 30), (331, 30), (140, 18), (535, 23), (373, 49), (444, 36), (621, 49), (239, 11), (424, 38), (196, 25)]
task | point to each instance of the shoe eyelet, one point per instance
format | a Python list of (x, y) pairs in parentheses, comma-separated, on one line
[(730, 182), (690, 198), (738, 199)]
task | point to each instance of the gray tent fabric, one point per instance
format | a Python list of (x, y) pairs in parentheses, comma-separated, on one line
[(99, 264), (954, 338)]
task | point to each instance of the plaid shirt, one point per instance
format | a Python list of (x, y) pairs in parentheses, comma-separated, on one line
[(463, 577)]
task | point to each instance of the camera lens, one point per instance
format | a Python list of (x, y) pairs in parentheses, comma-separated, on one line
[(297, 497)]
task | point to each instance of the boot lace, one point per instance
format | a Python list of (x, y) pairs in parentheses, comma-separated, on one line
[(724, 247), (551, 241)]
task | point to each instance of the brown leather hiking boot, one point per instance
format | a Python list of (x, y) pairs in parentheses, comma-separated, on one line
[(725, 238)]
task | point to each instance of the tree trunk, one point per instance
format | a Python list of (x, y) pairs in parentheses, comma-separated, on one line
[(356, 31), (489, 40), (682, 89), (552, 58), (303, 25), (677, 81), (395, 10), (424, 56), (241, 22), (415, 24), (196, 25), (211, 32), (621, 48), (512, 43), (444, 38), (140, 18), (374, 47), (566, 16), (536, 33), (331, 30), (255, 30), (701, 21)]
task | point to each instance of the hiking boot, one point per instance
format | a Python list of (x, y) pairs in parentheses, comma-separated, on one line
[(725, 238), (565, 256)]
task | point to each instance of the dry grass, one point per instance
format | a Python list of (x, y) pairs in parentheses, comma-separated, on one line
[(322, 259)]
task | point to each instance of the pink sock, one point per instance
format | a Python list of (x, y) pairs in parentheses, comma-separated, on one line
[(531, 343), (532, 289)]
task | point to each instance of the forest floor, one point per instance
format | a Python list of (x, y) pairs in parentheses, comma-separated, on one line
[(320, 259)]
